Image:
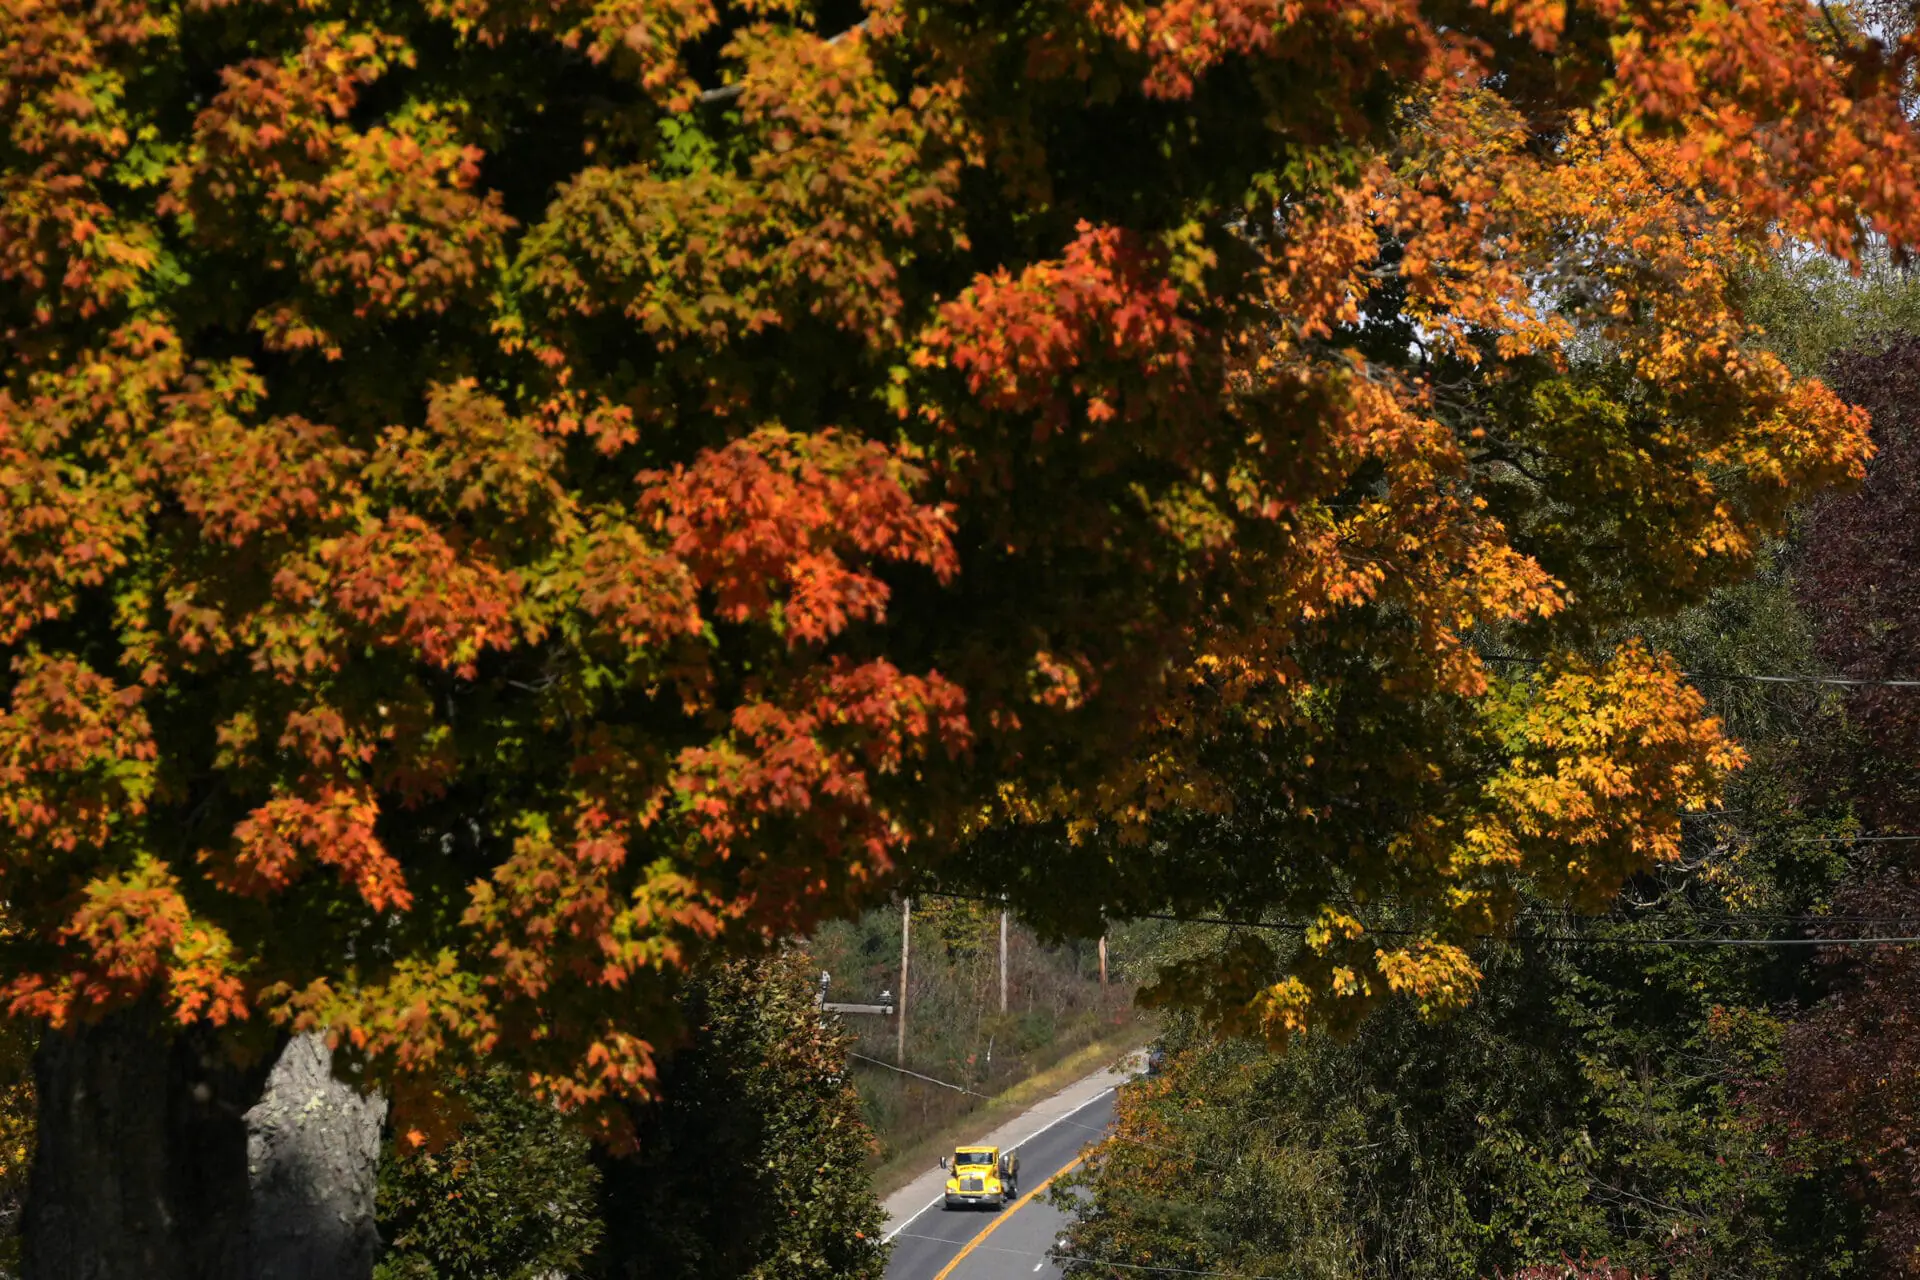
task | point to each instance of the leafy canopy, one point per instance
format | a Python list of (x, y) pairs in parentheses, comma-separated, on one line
[(489, 519)]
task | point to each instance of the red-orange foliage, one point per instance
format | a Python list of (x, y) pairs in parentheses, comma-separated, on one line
[(486, 521)]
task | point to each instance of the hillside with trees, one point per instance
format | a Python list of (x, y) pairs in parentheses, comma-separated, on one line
[(1056, 1005)]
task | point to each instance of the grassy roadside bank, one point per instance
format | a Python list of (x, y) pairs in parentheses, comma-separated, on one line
[(915, 1156), (1015, 1037)]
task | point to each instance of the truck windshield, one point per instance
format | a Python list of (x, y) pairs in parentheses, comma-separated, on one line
[(972, 1157)]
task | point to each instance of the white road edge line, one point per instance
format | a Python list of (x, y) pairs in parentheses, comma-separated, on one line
[(1065, 1115)]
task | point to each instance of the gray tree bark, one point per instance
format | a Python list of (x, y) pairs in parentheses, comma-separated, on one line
[(157, 1159), (313, 1152)]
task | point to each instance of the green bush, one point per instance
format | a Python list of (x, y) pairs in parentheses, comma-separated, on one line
[(752, 1165), (513, 1197)]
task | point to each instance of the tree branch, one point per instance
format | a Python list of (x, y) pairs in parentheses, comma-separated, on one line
[(728, 92)]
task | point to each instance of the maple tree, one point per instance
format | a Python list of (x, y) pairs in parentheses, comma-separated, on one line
[(490, 519)]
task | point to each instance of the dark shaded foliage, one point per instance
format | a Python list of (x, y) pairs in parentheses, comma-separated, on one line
[(513, 1197), (753, 1164), (1859, 579), (1848, 1096)]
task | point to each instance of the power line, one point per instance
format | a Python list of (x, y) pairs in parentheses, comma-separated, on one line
[(1291, 926), (1711, 942), (1758, 918), (1295, 926), (1569, 938), (1831, 680), (1113, 1136), (957, 1088), (1734, 675), (1863, 838), (1142, 1142), (1106, 1133), (1859, 839), (1140, 1266)]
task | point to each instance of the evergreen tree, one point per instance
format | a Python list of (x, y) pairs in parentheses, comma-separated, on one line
[(752, 1164)]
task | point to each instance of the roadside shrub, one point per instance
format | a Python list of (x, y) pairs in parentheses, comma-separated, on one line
[(514, 1197)]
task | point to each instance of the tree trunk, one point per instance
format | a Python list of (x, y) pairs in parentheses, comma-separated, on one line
[(313, 1148), (140, 1163), (159, 1159)]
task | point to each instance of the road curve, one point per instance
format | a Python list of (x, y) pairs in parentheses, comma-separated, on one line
[(1009, 1244)]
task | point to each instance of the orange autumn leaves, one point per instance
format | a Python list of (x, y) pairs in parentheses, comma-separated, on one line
[(485, 527), (1506, 251)]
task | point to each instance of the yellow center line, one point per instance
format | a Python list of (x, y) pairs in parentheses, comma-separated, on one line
[(1006, 1213)]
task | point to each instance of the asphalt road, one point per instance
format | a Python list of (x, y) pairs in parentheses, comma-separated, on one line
[(1008, 1244)]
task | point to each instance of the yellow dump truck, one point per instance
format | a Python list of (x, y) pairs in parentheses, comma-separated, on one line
[(981, 1175)]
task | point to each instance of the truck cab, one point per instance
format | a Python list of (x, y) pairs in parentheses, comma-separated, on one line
[(981, 1175)]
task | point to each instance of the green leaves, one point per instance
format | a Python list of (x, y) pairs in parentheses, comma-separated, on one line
[(753, 1163), (514, 1196)]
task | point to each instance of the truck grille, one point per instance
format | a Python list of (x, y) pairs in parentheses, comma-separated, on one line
[(973, 1184)]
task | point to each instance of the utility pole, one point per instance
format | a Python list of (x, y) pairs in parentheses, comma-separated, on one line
[(1103, 971), (906, 937), (1003, 959)]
